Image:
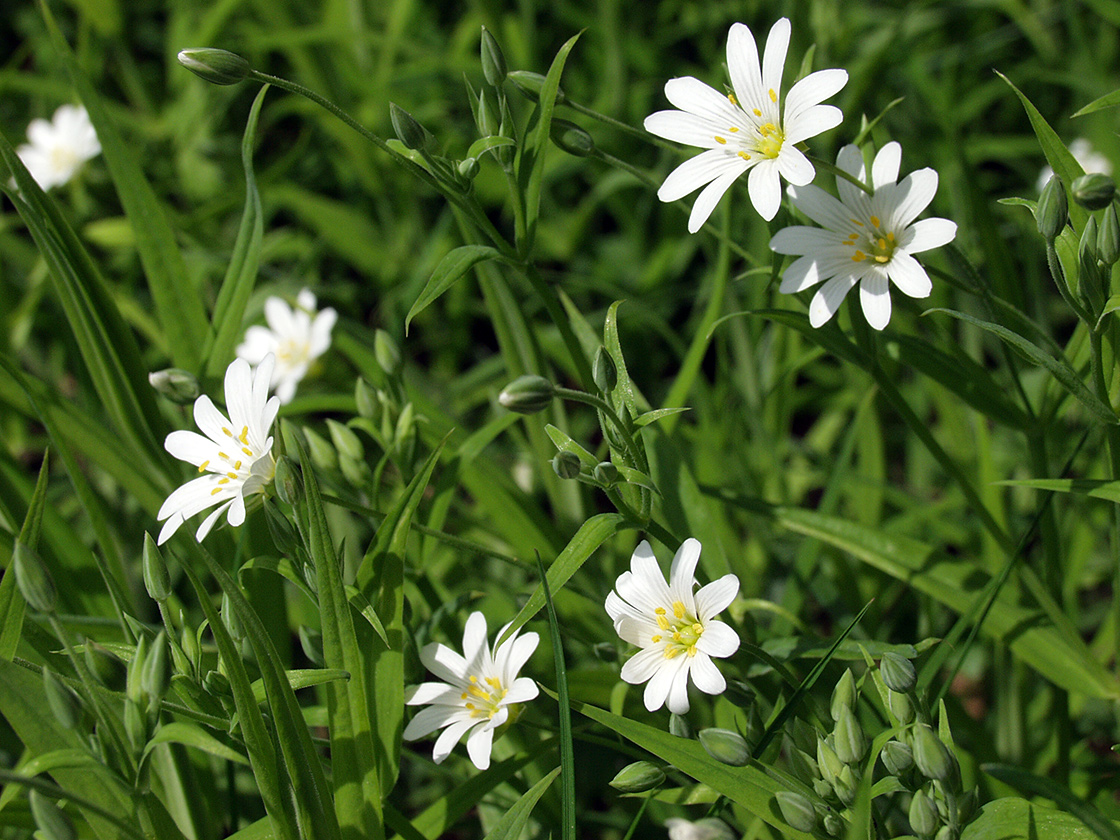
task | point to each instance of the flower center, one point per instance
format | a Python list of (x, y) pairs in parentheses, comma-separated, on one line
[(234, 465), (292, 352), (872, 243), (64, 158), (484, 697), (680, 632), (757, 135)]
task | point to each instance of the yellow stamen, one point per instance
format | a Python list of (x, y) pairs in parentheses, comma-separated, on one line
[(882, 258), (223, 456), (671, 651), (882, 243), (731, 98), (244, 436), (890, 238), (232, 474), (228, 433), (463, 696), (237, 465), (678, 609), (247, 451), (202, 467), (744, 156), (215, 491), (773, 96), (875, 221), (656, 639), (663, 622), (721, 140), (493, 682), (859, 256), (857, 222), (223, 481), (733, 130), (659, 611), (692, 650), (757, 112)]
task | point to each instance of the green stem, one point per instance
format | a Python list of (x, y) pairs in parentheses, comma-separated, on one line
[(640, 133), (609, 412), (1059, 275), (840, 173)]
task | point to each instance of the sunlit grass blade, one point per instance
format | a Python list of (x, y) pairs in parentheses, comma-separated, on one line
[(567, 756), (1029, 783), (513, 822)]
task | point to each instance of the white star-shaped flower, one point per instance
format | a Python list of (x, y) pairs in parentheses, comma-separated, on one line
[(479, 693), (296, 336), (235, 454), (865, 239), (676, 629), (58, 149), (747, 130)]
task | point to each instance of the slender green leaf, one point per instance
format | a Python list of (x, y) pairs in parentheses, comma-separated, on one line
[(566, 444), (1109, 100), (452, 267), (653, 416), (512, 824), (1029, 783), (196, 738), (1095, 488), (11, 602), (1110, 306), (567, 756), (1012, 818)]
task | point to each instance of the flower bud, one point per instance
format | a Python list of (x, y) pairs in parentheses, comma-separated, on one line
[(178, 385), (897, 757), (53, 822), (356, 473), (900, 706), (725, 746), (322, 453), (486, 118), (604, 371), (679, 726), (851, 745), (897, 672), (135, 724), (345, 441), (217, 684), (845, 786), (833, 825), (408, 130), (191, 648), (945, 833), (828, 761), (930, 755), (1093, 191), (530, 84), (527, 394), (468, 169), (1053, 209), (368, 406), (493, 62), (156, 578), (155, 678), (33, 579), (802, 764), (107, 668), (288, 482), (638, 777), (64, 703), (1108, 237), (923, 815), (134, 688), (606, 473), (708, 828), (221, 67), (571, 138), (231, 619), (566, 465), (387, 353), (844, 695), (797, 811)]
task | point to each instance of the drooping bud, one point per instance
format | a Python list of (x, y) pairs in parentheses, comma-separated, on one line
[(930, 755), (157, 580), (53, 822), (527, 394), (64, 703), (1053, 209), (493, 62), (1093, 191), (725, 746), (178, 385), (220, 67), (1108, 237), (851, 745), (566, 465), (289, 484), (33, 579), (897, 757), (408, 130), (844, 695), (797, 811), (638, 777), (530, 84), (571, 138), (606, 473), (897, 672), (387, 353), (923, 815), (604, 371)]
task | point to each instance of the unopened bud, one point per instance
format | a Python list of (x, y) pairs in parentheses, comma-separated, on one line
[(1093, 191), (53, 822), (345, 441), (135, 724), (833, 825), (33, 579), (468, 168), (527, 394), (178, 385), (220, 67), (107, 668), (923, 815), (571, 138), (900, 706), (387, 353), (530, 84), (638, 777), (288, 482), (156, 676), (408, 130), (604, 371), (828, 761), (679, 726), (797, 811), (1053, 209), (946, 832), (365, 400), (486, 118), (844, 695), (493, 62), (930, 755), (157, 580), (897, 672), (606, 473), (1108, 237), (849, 739), (897, 757), (322, 453), (217, 684), (356, 473), (845, 785), (566, 465), (134, 685), (725, 746), (311, 640), (64, 703)]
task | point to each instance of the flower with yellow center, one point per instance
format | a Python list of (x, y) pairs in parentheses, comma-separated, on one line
[(480, 691), (59, 148), (746, 130), (233, 454), (864, 239), (676, 628), (297, 336)]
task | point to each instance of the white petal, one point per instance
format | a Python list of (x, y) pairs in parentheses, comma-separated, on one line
[(521, 691), (236, 515), (516, 653), (445, 663), (474, 640), (811, 122), (927, 233), (239, 394), (661, 683), (715, 597), (803, 273), (827, 300), (449, 738), (647, 582), (794, 166), (692, 95), (774, 57), (210, 421), (258, 343), (190, 447), (682, 574), (718, 640), (875, 298), (616, 607), (850, 159), (279, 317), (433, 693), (637, 630), (321, 332), (479, 744), (194, 496), (911, 196), (306, 300), (706, 676), (906, 273), (430, 719), (682, 127), (884, 169), (209, 522), (810, 91), (677, 701), (709, 197), (643, 665), (698, 171), (765, 189), (169, 528), (743, 67), (799, 240)]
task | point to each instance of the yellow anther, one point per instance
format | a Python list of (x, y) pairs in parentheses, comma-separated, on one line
[(859, 256), (479, 693), (247, 451), (678, 609), (494, 682), (875, 221), (655, 639), (244, 436), (473, 678), (202, 467), (883, 258), (237, 465), (744, 156), (734, 129), (757, 112), (773, 95), (224, 480), (463, 696), (663, 622), (698, 628), (882, 243), (890, 238), (232, 474), (721, 140), (471, 706), (692, 650), (677, 636), (228, 433), (659, 611), (671, 651), (215, 491), (731, 98), (223, 456), (857, 222)]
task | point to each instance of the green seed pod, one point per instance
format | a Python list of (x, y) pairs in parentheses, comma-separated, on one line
[(288, 481), (566, 465), (725, 746), (527, 394), (33, 579), (897, 672), (345, 441), (606, 473), (157, 580), (178, 385), (638, 777), (900, 706), (571, 138), (828, 761), (65, 704), (322, 453), (1093, 191), (844, 695), (679, 726), (220, 67), (1108, 237), (851, 745), (897, 757), (156, 676), (930, 755), (387, 353), (107, 668), (493, 62), (604, 371), (797, 811), (923, 815), (530, 84), (368, 406), (53, 822), (1053, 209), (408, 130)]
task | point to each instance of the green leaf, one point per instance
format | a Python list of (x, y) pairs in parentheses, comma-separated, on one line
[(1108, 490), (513, 821), (11, 602), (196, 738), (485, 144), (1013, 818), (177, 302), (453, 266), (241, 274), (1110, 305), (1109, 100), (567, 756), (1067, 377), (1029, 783), (566, 444), (653, 416)]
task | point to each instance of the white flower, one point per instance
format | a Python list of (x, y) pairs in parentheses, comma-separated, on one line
[(478, 691), (865, 239), (747, 130), (709, 828), (235, 454), (59, 148), (293, 335), (676, 629), (1083, 152)]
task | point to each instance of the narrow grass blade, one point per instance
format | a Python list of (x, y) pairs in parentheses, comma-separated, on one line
[(11, 602), (195, 737), (1106, 489), (567, 756), (1029, 783), (450, 269), (512, 824), (1109, 100)]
